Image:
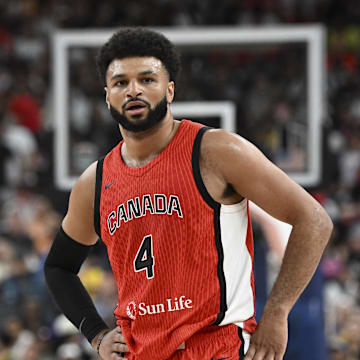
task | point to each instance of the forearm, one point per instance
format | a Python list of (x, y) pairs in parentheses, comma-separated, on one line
[(74, 301), (61, 267), (304, 250)]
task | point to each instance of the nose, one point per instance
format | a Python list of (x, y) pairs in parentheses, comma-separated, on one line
[(134, 89)]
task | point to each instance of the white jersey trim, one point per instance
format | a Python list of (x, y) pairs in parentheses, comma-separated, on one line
[(237, 264)]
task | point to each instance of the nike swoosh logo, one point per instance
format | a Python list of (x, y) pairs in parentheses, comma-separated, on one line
[(108, 185)]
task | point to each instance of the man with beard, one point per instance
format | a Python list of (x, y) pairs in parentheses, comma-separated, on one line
[(170, 202)]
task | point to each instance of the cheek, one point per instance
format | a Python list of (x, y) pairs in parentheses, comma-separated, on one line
[(115, 97), (116, 92)]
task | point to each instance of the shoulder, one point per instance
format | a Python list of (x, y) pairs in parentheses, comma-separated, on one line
[(242, 165), (236, 161), (221, 146), (220, 152), (85, 185), (221, 136), (79, 220)]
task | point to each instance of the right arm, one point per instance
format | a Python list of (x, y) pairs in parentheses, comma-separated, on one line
[(79, 220), (71, 246)]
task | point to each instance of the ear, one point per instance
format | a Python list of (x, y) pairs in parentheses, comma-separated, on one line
[(107, 97), (170, 92)]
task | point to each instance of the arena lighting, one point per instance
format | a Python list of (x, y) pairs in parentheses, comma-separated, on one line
[(313, 35)]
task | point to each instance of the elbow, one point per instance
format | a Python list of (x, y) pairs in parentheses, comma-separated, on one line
[(52, 272), (49, 271), (324, 225), (329, 225), (317, 222)]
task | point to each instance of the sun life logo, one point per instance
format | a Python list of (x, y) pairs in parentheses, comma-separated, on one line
[(131, 310)]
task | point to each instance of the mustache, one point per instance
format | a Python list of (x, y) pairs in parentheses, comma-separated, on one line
[(135, 99)]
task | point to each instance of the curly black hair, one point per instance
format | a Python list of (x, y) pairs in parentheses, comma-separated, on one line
[(136, 41)]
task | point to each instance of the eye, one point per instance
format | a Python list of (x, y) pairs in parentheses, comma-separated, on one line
[(147, 80), (121, 83)]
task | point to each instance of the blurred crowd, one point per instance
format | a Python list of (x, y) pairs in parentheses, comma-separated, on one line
[(269, 88)]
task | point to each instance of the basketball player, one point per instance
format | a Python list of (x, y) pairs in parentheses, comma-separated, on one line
[(171, 204)]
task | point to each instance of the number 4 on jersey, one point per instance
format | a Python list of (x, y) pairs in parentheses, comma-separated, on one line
[(144, 259)]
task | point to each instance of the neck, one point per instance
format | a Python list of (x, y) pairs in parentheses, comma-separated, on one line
[(140, 148)]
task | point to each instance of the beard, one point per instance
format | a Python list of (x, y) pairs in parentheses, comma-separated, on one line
[(154, 117)]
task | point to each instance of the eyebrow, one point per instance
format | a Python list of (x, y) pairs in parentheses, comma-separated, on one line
[(147, 72)]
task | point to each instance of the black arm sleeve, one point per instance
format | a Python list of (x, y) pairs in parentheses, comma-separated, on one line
[(61, 268)]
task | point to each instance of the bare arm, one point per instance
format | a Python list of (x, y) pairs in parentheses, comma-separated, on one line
[(254, 177), (79, 220)]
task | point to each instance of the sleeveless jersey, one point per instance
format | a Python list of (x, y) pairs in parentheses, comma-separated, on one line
[(182, 261)]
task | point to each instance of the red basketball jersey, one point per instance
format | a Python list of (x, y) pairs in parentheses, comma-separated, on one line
[(182, 261)]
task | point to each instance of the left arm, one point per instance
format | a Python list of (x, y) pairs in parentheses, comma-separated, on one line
[(254, 177)]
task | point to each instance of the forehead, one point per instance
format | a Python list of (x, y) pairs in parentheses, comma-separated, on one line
[(133, 65)]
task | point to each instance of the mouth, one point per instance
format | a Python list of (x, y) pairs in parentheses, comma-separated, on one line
[(135, 107)]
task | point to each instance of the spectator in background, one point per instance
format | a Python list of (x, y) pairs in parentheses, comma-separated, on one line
[(23, 145), (27, 111)]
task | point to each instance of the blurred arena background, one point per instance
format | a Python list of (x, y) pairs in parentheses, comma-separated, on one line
[(283, 73)]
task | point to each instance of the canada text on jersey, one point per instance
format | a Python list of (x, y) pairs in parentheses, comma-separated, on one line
[(139, 206)]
